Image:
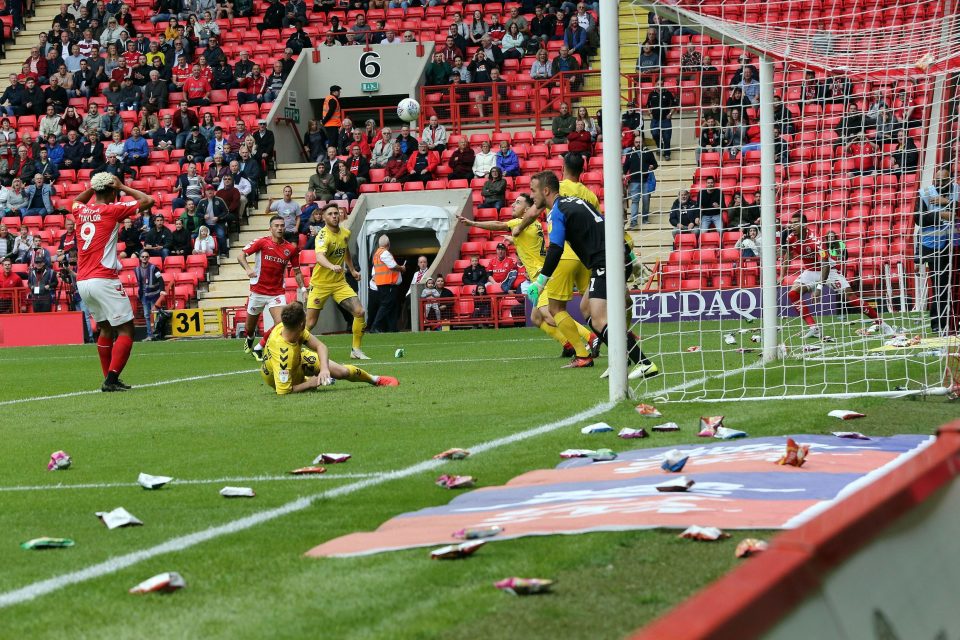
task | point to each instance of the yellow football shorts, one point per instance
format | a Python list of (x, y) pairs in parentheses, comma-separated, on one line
[(567, 275), (318, 296)]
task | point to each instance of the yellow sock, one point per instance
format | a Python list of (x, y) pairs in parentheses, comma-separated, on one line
[(358, 326), (567, 327), (552, 331), (356, 374), (583, 331)]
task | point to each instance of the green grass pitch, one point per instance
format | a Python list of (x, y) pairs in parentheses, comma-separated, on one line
[(457, 389)]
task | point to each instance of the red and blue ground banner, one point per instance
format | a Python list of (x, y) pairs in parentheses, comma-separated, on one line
[(738, 486)]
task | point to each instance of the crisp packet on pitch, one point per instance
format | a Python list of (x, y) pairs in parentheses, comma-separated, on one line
[(602, 455), (729, 339), (597, 427), (148, 481), (566, 454), (674, 460), (709, 426), (524, 586), (795, 455), (693, 349), (626, 433), (452, 454), (707, 534), (59, 461), (750, 547), (331, 458), (47, 543), (648, 410), (237, 492), (119, 517), (755, 338), (666, 427), (843, 414), (672, 486), (162, 583), (475, 533), (455, 551), (302, 471), (850, 435), (724, 433), (455, 482)]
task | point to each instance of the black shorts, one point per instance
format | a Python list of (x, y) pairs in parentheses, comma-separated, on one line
[(598, 281)]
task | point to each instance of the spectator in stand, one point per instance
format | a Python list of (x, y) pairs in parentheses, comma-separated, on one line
[(191, 219), (886, 126), (129, 96), (22, 245), (218, 146), (396, 167), (33, 101), (204, 244), (484, 161), (660, 103), (197, 89), (345, 183), (514, 42), (130, 237), (638, 167), (116, 167), (447, 297), (503, 269), (360, 30), (738, 102), (321, 182), (195, 147), (358, 165), (734, 134), (189, 187), (507, 160), (22, 166), (575, 38), (10, 282), (476, 273), (429, 290), (359, 139), (314, 140), (495, 29), (136, 149), (566, 63), (710, 201), (749, 243), (155, 92), (710, 138), (206, 126), (242, 185), (338, 30), (691, 60), (235, 140), (749, 86), (438, 71), (150, 289), (273, 17), (838, 89), (50, 124), (157, 240), (862, 152), (542, 68), (344, 137), (480, 67), (181, 244), (265, 142), (494, 190), (68, 239), (219, 209), (649, 61), (684, 215), (42, 283), (331, 159), (185, 120), (39, 196), (905, 157), (48, 169), (288, 209), (7, 240), (408, 143), (422, 164), (478, 28), (937, 219), (579, 141), (55, 95), (435, 135), (563, 124), (382, 149), (589, 124), (735, 212), (13, 199), (164, 137), (462, 161)]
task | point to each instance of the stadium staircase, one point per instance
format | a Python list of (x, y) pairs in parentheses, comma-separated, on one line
[(19, 50), (230, 287)]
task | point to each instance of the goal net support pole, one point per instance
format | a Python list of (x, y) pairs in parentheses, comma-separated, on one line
[(768, 215), (613, 196)]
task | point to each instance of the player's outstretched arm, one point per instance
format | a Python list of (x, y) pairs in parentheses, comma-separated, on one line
[(528, 218), (492, 225)]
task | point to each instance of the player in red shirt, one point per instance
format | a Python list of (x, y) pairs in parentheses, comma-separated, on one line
[(818, 271), (503, 269), (266, 278), (98, 269)]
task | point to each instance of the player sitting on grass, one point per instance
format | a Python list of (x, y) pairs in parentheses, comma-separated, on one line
[(295, 361), (818, 271)]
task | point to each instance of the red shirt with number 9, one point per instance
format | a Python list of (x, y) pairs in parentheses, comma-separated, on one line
[(97, 228)]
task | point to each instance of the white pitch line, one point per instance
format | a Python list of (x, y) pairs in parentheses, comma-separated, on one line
[(90, 392), (264, 478), (113, 565)]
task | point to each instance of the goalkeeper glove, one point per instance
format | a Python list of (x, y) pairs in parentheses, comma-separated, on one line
[(536, 288)]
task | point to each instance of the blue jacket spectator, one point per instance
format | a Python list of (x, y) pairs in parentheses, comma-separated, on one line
[(507, 161), (136, 148), (45, 199), (55, 153)]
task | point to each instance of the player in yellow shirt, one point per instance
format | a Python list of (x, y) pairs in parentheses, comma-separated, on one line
[(531, 249), (327, 279), (295, 361)]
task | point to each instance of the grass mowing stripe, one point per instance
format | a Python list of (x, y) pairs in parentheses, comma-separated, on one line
[(264, 478), (43, 587)]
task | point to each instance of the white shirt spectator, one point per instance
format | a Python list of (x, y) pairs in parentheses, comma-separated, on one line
[(203, 245), (483, 162), (242, 185), (434, 137)]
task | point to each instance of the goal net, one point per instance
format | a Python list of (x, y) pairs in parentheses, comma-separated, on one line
[(859, 139)]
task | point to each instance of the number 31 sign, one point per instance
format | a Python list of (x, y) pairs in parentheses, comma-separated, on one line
[(187, 322)]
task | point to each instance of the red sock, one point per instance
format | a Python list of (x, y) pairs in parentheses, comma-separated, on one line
[(865, 307), (104, 350), (266, 335), (795, 300), (121, 353)]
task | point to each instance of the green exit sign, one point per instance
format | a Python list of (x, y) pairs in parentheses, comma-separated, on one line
[(292, 114), (369, 86)]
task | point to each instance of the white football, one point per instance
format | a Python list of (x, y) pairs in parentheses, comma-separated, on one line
[(408, 110)]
